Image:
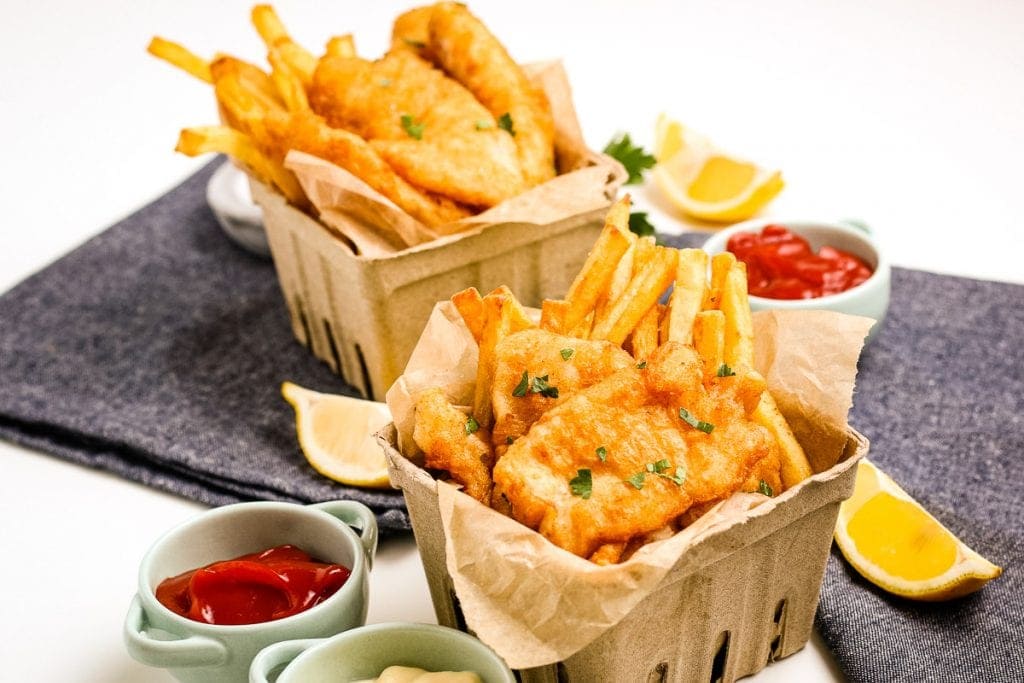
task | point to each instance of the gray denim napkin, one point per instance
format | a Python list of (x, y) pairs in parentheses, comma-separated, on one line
[(156, 350)]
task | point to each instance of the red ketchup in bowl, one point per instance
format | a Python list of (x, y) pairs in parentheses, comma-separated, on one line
[(252, 589), (782, 265)]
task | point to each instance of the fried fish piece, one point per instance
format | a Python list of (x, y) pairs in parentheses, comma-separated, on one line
[(645, 464), (411, 32), (306, 132), (466, 49), (452, 442), (427, 127), (567, 365)]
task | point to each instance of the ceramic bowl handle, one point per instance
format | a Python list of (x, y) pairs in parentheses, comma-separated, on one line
[(273, 656), (357, 516), (168, 654)]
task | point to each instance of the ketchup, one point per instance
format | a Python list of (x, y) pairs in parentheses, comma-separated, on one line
[(251, 589), (781, 265)]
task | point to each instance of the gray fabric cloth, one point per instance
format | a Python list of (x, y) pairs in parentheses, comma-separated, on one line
[(156, 351)]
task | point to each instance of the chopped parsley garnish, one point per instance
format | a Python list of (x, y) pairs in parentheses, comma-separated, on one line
[(541, 386), (661, 466), (505, 123), (567, 353), (509, 440), (582, 484), (678, 479), (418, 44), (637, 480), (483, 124), (764, 489), (471, 424), (689, 419), (725, 371), (524, 384), (413, 129), (602, 453), (639, 225), (641, 365), (385, 82), (632, 157)]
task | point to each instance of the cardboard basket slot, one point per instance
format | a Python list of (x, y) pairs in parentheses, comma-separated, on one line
[(747, 599)]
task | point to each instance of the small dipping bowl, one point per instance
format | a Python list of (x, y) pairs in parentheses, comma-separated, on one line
[(363, 653), (870, 298), (197, 652)]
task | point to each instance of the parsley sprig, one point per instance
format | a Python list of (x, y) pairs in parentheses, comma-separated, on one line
[(725, 371), (582, 484), (413, 129), (632, 157), (639, 225), (505, 123), (539, 385), (471, 425), (689, 419)]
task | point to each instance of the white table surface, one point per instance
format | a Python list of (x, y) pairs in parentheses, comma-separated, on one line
[(906, 115)]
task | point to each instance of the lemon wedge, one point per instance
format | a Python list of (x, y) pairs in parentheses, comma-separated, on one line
[(336, 435), (895, 544), (705, 182)]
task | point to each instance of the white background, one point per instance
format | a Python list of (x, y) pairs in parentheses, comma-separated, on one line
[(907, 115)]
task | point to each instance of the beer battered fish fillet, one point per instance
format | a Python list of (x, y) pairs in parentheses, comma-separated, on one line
[(306, 133), (656, 465), (466, 49), (447, 444), (539, 353), (427, 127)]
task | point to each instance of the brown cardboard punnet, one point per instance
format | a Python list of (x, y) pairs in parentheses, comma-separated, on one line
[(361, 280), (719, 600)]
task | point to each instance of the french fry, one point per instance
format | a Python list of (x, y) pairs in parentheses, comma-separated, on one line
[(503, 315), (582, 330), (687, 296), (552, 315), (739, 349), (224, 140), (471, 307), (643, 292), (181, 57), (794, 465), (341, 46), (599, 268), (720, 266), (274, 35), (739, 325), (645, 337), (709, 337), (289, 85), (244, 89), (620, 280), (642, 252)]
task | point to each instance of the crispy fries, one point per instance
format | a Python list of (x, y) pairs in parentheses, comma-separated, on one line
[(225, 140), (709, 337), (503, 315), (687, 296), (599, 268), (288, 83), (644, 340), (471, 307), (181, 57), (643, 292)]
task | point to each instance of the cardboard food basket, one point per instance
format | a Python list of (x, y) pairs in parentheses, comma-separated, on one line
[(359, 303), (720, 600)]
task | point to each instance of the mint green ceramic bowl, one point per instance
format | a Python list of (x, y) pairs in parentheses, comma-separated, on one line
[(869, 299), (196, 652), (363, 653)]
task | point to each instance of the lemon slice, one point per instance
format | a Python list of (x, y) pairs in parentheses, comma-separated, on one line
[(705, 182), (895, 544), (336, 435)]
